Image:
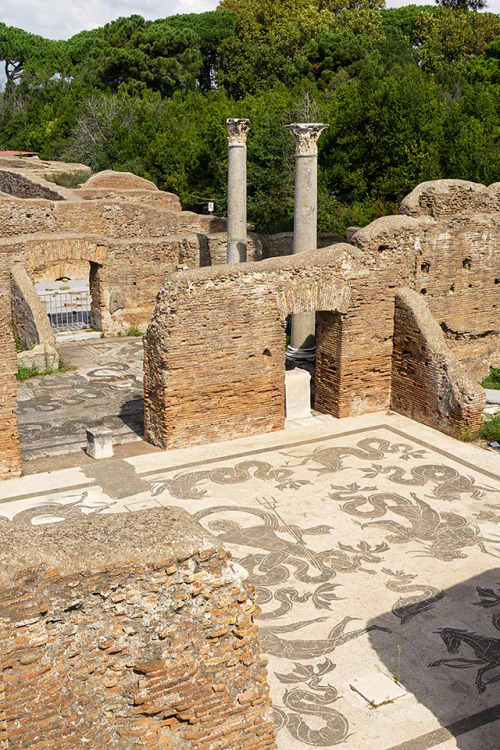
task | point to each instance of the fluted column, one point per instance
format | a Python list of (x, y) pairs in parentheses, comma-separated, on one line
[(302, 340), (237, 129)]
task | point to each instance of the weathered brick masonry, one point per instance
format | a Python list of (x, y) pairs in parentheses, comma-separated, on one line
[(231, 320), (428, 383), (10, 450), (135, 233), (126, 631)]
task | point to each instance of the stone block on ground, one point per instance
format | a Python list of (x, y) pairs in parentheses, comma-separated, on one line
[(492, 396), (298, 394), (100, 442)]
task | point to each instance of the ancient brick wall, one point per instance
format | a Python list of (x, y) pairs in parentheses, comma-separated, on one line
[(428, 383), (29, 317), (134, 232), (440, 247), (450, 258), (10, 451), (126, 631), (133, 274), (215, 348), (17, 184)]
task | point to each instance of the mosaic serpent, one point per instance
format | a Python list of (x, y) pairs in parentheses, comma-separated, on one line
[(444, 535), (272, 566), (52, 511), (407, 607), (331, 457), (450, 485), (304, 701), (183, 486), (316, 702)]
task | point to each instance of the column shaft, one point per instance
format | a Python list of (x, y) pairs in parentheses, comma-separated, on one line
[(302, 338), (237, 204), (237, 129)]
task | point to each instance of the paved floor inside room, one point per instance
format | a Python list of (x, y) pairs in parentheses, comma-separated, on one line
[(374, 543), (102, 386)]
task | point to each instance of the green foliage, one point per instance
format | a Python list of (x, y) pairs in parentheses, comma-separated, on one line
[(491, 429), (493, 379), (410, 94), (25, 52), (134, 55), (446, 36), (69, 179), (23, 373), (134, 330)]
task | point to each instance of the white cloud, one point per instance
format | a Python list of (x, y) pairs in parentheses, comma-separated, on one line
[(60, 19)]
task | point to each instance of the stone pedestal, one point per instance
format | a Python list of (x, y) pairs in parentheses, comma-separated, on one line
[(302, 341), (237, 130), (100, 442), (297, 394)]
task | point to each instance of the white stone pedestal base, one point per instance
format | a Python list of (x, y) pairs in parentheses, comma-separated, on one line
[(100, 442), (298, 394)]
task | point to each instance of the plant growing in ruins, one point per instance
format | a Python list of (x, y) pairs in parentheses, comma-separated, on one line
[(69, 179), (134, 330), (493, 379), (491, 428)]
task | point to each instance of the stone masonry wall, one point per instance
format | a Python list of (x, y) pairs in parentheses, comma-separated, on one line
[(29, 317), (128, 631), (232, 319), (226, 318), (17, 184), (428, 383), (457, 266), (137, 233), (10, 450)]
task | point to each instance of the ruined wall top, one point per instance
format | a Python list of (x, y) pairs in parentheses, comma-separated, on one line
[(118, 539), (305, 135), (344, 258), (444, 198), (313, 280), (119, 181)]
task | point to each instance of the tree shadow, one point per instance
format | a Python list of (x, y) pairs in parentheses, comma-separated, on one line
[(445, 651)]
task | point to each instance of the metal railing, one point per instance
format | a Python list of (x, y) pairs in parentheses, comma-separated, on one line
[(67, 311)]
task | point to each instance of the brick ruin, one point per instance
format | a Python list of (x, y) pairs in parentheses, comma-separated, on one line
[(10, 449), (117, 228), (443, 248), (214, 352), (148, 640)]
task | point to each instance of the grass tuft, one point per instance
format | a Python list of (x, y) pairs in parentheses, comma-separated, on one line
[(491, 428), (493, 379), (134, 330)]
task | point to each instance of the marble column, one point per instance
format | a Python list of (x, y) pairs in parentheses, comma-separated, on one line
[(302, 340), (237, 130)]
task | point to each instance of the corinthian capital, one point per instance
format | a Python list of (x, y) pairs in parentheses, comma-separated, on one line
[(305, 135), (237, 129)]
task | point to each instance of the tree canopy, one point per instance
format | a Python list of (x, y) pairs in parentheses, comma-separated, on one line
[(410, 94)]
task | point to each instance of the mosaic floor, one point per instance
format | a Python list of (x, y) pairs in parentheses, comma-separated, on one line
[(104, 379), (374, 544)]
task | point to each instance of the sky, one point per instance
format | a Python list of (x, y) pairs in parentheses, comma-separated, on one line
[(60, 19)]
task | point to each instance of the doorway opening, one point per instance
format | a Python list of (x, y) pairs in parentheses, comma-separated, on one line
[(65, 290)]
